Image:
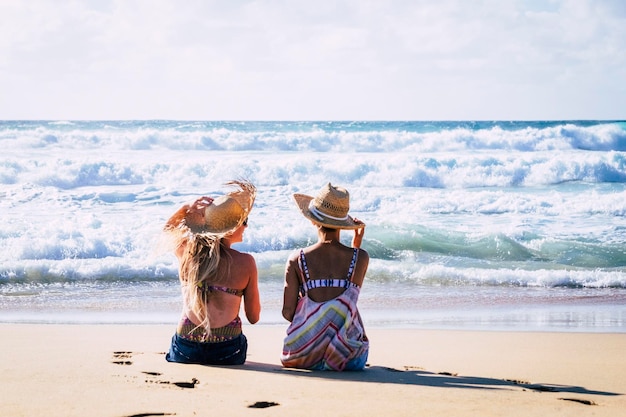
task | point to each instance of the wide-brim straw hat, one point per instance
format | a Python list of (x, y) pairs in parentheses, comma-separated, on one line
[(329, 208), (228, 212)]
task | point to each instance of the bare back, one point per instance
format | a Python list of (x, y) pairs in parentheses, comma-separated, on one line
[(237, 271), (325, 260)]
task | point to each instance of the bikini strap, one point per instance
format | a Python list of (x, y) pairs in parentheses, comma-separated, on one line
[(352, 268), (214, 288), (307, 283), (304, 270), (329, 283)]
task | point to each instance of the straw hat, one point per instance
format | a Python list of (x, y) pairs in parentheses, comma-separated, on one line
[(228, 212), (329, 208)]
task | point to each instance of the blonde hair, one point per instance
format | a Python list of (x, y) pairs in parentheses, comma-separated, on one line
[(204, 253), (199, 265)]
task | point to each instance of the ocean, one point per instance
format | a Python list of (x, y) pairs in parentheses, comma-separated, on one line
[(488, 225)]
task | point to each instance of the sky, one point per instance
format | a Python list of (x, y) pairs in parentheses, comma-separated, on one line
[(313, 60)]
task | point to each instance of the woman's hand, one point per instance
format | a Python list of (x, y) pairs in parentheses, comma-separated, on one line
[(194, 216), (189, 214), (358, 234)]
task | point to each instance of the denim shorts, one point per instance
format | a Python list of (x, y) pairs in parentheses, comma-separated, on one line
[(231, 352)]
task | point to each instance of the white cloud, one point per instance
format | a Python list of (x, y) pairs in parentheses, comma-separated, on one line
[(293, 59)]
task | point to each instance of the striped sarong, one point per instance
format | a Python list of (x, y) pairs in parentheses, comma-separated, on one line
[(325, 335)]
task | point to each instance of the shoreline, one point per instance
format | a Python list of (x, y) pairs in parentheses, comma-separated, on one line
[(581, 318), (399, 327), (119, 370), (396, 306)]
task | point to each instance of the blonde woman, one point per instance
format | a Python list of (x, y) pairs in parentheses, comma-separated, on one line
[(215, 278), (322, 285)]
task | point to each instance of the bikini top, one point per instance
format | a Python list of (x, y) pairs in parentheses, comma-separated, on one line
[(329, 282), (214, 288)]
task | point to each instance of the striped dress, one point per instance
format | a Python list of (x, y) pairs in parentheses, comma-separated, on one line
[(326, 335)]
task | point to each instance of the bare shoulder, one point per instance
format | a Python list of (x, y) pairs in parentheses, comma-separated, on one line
[(364, 255), (242, 258), (295, 255)]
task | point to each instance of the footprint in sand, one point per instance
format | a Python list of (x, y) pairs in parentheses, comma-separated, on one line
[(122, 358), (263, 404), (180, 384)]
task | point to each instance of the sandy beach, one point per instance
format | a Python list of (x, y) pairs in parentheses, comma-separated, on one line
[(120, 370)]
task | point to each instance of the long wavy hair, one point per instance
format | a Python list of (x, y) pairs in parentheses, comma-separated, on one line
[(202, 263), (205, 259)]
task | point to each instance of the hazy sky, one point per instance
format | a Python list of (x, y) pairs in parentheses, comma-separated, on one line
[(313, 59)]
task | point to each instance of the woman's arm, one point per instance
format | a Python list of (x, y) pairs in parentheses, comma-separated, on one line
[(192, 214), (292, 288), (358, 234), (251, 297), (174, 221)]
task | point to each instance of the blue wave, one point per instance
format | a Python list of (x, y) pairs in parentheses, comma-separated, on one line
[(422, 256)]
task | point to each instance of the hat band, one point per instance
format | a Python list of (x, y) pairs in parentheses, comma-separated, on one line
[(314, 211)]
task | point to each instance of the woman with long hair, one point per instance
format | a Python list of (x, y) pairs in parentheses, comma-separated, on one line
[(215, 278)]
